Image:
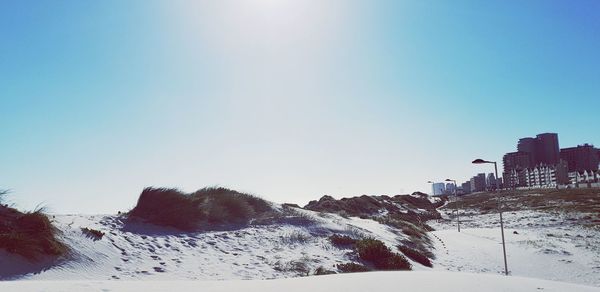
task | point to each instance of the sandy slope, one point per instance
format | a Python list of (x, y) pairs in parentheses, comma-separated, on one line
[(139, 255), (544, 246), (359, 282), (136, 252)]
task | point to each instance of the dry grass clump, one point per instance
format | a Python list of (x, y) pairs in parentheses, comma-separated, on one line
[(92, 233), (202, 209), (377, 253), (569, 200), (415, 255), (30, 235), (323, 271), (342, 240), (352, 268)]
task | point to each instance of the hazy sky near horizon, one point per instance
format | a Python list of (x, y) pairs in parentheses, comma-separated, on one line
[(287, 99)]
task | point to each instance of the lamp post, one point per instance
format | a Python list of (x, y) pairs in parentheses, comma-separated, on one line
[(456, 208), (481, 161)]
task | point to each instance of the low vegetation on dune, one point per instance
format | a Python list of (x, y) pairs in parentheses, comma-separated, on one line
[(380, 256), (352, 268), (92, 233), (415, 255), (406, 213), (370, 251), (204, 209), (342, 240), (401, 205), (580, 201), (29, 234)]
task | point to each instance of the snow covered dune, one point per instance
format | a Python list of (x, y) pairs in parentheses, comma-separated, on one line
[(147, 252)]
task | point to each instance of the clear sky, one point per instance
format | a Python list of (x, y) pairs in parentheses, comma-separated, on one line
[(290, 100)]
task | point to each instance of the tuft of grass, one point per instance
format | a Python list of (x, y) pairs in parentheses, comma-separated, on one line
[(352, 268), (295, 237), (168, 207), (342, 240), (204, 208), (415, 255), (92, 233), (382, 258), (2, 194), (322, 271), (30, 235), (298, 267)]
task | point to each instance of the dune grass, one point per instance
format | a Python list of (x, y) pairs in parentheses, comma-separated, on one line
[(380, 256), (352, 268), (567, 200), (203, 209), (30, 234), (415, 255)]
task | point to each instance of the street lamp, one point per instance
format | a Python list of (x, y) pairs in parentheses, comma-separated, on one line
[(481, 161), (456, 206)]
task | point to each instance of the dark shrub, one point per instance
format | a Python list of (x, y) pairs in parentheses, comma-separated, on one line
[(232, 208), (298, 267), (382, 258), (415, 255), (322, 271), (258, 205), (342, 240), (92, 233), (394, 262), (30, 235), (203, 208), (352, 268), (372, 250), (168, 207)]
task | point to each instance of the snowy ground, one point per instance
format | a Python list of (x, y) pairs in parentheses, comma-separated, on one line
[(541, 245), (143, 257), (374, 281), (143, 252)]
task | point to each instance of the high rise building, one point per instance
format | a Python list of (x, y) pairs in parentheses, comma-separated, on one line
[(466, 187), (581, 158), (491, 181), (528, 145), (547, 150), (450, 188), (516, 160), (478, 183), (438, 189)]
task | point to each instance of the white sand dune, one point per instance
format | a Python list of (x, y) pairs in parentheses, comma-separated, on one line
[(538, 245), (139, 251)]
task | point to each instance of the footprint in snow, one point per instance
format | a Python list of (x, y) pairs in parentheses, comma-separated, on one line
[(159, 269)]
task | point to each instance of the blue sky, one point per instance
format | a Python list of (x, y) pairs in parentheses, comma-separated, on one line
[(290, 100)]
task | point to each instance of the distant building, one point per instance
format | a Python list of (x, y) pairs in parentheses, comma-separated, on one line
[(516, 160), (543, 149), (466, 187), (546, 176), (478, 183), (438, 189), (537, 163), (547, 150), (541, 176), (491, 182), (528, 145), (581, 158), (514, 178), (450, 188)]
